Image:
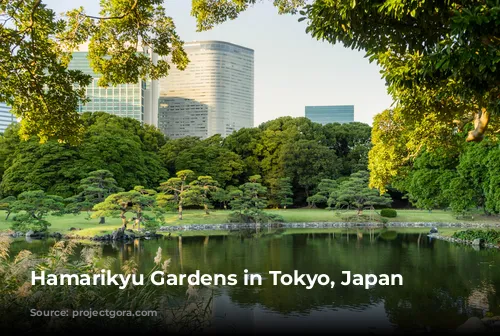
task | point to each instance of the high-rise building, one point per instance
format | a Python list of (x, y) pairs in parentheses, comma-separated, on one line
[(330, 114), (213, 95), (138, 101), (6, 118)]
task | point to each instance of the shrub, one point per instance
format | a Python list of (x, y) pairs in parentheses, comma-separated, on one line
[(490, 236), (24, 223), (253, 216), (151, 224), (389, 213)]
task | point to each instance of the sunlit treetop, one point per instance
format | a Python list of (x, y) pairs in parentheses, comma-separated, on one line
[(210, 13), (439, 59)]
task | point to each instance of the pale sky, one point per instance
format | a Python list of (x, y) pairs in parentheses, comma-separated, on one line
[(292, 69)]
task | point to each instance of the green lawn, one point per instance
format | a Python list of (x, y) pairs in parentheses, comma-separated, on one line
[(90, 228)]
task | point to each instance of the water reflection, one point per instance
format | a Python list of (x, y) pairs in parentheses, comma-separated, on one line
[(444, 284)]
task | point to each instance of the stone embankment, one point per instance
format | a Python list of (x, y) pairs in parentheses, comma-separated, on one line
[(323, 225)]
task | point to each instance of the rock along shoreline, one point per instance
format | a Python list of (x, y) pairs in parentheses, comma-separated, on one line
[(324, 225)]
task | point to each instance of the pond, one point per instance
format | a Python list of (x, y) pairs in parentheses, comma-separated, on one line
[(444, 284)]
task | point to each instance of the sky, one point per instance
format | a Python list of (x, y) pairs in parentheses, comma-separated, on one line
[(292, 70)]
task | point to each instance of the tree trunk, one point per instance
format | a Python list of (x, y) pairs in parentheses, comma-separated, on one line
[(481, 120), (8, 214), (180, 210), (206, 209), (102, 220), (124, 221)]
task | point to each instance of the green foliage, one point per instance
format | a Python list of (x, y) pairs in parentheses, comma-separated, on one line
[(354, 192), (136, 201), (121, 145), (389, 213), (490, 236), (222, 196), (36, 49), (200, 191), (94, 188), (31, 209), (6, 205), (209, 13), (324, 189), (248, 203), (429, 178), (464, 180), (308, 162), (177, 190), (153, 223), (280, 192)]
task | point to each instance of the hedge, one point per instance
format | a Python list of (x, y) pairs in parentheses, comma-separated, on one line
[(390, 213)]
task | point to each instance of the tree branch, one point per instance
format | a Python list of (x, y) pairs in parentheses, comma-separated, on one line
[(481, 120), (114, 17)]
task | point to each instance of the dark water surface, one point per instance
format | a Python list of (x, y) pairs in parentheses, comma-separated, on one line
[(444, 284)]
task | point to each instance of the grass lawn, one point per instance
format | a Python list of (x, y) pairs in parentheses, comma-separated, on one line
[(90, 228)]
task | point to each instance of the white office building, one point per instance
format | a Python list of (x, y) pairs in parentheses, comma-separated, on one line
[(138, 101), (6, 118), (213, 95)]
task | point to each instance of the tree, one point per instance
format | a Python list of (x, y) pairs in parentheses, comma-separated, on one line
[(199, 192), (450, 63), (6, 205), (208, 157), (49, 166), (124, 147), (36, 49), (121, 145), (428, 178), (31, 209), (281, 193), (223, 196), (354, 192), (98, 185), (324, 189), (439, 60), (172, 148), (176, 187), (307, 162), (136, 201), (249, 201)]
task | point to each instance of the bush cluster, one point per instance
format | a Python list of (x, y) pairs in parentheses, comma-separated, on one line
[(490, 236), (389, 213)]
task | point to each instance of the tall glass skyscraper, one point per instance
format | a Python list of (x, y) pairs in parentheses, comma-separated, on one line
[(138, 101), (330, 114), (6, 118), (213, 95)]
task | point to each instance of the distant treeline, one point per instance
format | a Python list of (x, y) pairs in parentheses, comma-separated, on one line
[(296, 148)]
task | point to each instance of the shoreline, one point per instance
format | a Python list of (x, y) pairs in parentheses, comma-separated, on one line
[(324, 225), (462, 241), (202, 229)]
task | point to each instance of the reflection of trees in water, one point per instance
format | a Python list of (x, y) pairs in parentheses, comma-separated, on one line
[(443, 283), (438, 277)]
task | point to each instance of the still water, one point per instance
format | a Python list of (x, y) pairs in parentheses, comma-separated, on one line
[(444, 284)]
